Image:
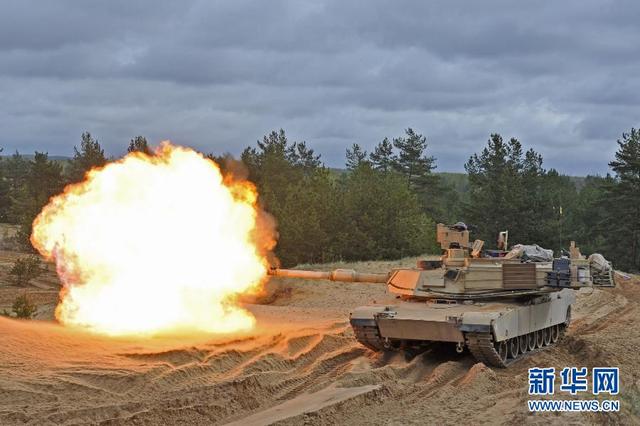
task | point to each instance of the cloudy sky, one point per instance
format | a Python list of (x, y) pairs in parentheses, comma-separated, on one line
[(563, 77)]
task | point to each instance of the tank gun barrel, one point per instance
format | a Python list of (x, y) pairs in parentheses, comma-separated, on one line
[(343, 275)]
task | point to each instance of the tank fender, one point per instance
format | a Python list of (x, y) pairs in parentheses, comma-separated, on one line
[(365, 315), (478, 322)]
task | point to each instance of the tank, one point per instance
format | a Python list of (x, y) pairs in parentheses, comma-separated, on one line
[(498, 305)]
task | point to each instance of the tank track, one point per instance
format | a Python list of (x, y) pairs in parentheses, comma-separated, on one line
[(482, 348), (368, 336), (498, 354)]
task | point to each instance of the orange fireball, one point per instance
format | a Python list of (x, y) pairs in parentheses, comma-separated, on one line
[(155, 243)]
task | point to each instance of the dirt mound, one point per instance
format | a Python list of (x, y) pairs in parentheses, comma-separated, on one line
[(302, 365)]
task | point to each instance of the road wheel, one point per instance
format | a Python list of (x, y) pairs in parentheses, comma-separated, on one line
[(522, 341), (514, 348), (502, 349), (531, 341), (539, 338), (547, 336), (555, 333)]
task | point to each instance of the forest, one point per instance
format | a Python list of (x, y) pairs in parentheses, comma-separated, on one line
[(385, 203)]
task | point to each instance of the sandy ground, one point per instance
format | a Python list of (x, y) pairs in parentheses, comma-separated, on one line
[(300, 366)]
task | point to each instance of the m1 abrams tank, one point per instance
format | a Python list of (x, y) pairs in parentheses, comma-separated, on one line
[(499, 308)]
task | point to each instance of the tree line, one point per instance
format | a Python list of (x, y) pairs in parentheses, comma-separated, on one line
[(386, 203)]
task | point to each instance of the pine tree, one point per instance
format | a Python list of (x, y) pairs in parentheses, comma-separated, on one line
[(15, 170), (355, 156), (412, 161), (139, 144), (43, 180), (295, 187), (89, 155), (508, 192), (623, 232), (382, 157)]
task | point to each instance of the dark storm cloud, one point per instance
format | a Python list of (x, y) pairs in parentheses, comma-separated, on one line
[(562, 77)]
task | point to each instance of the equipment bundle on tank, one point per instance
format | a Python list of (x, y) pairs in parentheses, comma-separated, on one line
[(499, 305)]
